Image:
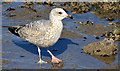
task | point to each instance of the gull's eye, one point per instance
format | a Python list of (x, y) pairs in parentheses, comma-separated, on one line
[(60, 12)]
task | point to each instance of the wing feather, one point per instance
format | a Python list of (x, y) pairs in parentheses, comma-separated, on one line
[(33, 32)]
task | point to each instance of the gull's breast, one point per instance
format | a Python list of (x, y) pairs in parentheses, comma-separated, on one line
[(51, 36)]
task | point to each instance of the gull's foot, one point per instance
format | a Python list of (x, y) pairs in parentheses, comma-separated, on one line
[(41, 62), (56, 60)]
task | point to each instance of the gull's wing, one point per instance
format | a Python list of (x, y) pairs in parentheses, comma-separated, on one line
[(34, 30), (31, 32)]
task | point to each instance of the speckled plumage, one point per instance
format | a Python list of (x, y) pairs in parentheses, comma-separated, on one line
[(43, 33)]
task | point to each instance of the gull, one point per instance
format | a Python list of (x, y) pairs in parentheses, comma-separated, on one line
[(43, 33)]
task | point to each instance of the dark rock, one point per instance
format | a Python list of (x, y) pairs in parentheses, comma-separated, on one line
[(109, 19), (28, 3), (85, 37), (114, 11), (22, 7), (76, 27), (98, 50), (10, 9), (97, 37), (49, 3), (115, 50), (103, 34), (92, 23), (38, 16), (55, 49), (87, 22), (22, 56), (106, 56), (76, 9), (34, 10)]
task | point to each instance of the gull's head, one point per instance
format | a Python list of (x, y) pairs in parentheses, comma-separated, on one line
[(59, 14)]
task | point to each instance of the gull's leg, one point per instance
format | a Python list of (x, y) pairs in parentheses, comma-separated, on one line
[(54, 59), (40, 61)]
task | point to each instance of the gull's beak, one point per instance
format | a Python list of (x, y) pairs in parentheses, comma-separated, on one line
[(69, 16)]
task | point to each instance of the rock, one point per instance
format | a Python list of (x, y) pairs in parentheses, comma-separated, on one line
[(55, 49), (38, 16), (116, 31), (104, 48), (109, 34), (29, 7), (92, 23), (11, 14), (49, 3), (80, 23), (85, 37), (22, 56), (102, 35), (22, 7), (117, 38), (86, 22), (97, 37), (111, 23), (10, 9), (107, 60), (29, 4), (110, 19)]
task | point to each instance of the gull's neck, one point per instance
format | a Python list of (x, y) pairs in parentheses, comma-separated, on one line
[(55, 21), (56, 24)]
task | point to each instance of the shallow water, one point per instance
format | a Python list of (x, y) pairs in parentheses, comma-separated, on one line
[(23, 55)]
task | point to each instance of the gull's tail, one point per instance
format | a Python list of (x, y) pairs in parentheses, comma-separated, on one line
[(14, 29)]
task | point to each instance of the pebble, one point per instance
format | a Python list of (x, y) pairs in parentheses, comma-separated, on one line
[(49, 3), (55, 49), (111, 23), (86, 22), (92, 23), (98, 50), (109, 19), (97, 37), (85, 37), (22, 56)]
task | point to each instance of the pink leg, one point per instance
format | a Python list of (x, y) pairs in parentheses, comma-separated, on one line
[(54, 59), (40, 61)]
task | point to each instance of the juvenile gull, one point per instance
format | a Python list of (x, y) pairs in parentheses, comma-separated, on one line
[(43, 33)]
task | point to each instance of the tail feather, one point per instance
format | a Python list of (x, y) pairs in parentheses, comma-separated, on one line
[(14, 29)]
